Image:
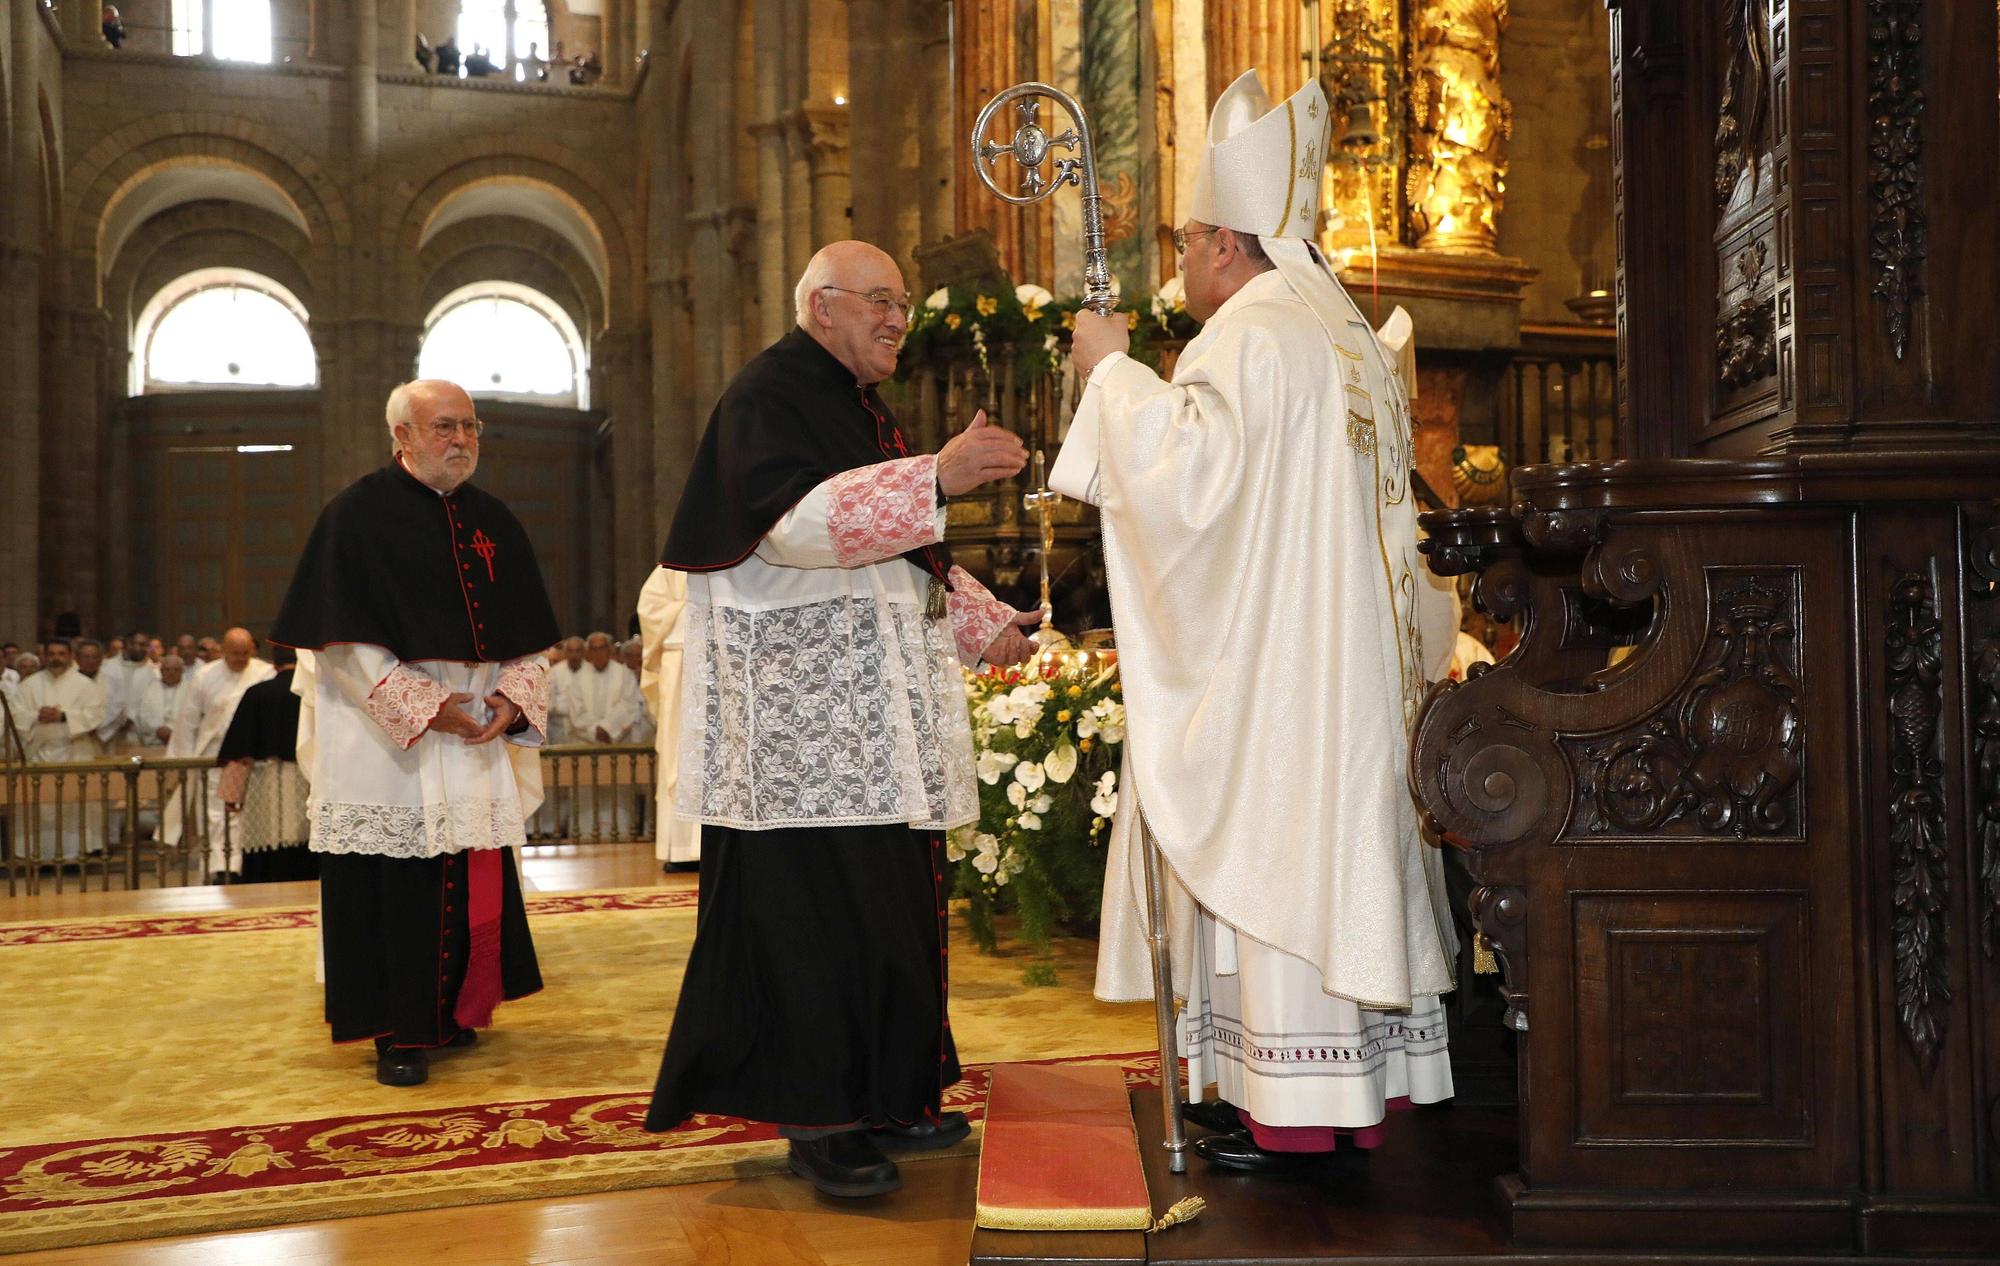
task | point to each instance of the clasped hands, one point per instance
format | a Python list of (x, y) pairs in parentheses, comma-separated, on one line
[(451, 719)]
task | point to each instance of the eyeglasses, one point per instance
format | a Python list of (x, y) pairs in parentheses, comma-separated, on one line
[(445, 428), (883, 302), (1182, 237)]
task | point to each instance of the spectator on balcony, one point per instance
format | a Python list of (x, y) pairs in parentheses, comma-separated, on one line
[(425, 57), (480, 63), (113, 26), (534, 66), (447, 56)]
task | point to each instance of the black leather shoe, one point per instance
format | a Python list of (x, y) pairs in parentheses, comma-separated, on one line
[(924, 1136), (847, 1165), (1218, 1115), (463, 1038), (396, 1067), (1240, 1151)]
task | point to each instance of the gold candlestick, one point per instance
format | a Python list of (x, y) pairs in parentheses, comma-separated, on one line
[(1042, 504)]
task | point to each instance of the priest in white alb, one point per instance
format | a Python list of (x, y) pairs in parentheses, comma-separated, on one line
[(156, 701), (663, 633), (201, 718), (57, 710), (1275, 634)]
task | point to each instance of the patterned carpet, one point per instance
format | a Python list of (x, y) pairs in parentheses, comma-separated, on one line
[(165, 1075)]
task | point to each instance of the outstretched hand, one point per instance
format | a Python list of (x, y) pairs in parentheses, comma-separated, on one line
[(982, 452), (1012, 646)]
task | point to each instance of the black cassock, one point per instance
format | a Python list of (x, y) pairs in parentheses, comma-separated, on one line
[(266, 727), (814, 995), (391, 563)]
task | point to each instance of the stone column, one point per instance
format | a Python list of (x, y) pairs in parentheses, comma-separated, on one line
[(21, 240), (634, 549), (617, 52), (883, 49), (938, 130), (826, 135), (712, 167), (773, 285)]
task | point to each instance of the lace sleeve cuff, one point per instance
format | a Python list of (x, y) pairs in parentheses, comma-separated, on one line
[(404, 702), (976, 616), (526, 683), (880, 511)]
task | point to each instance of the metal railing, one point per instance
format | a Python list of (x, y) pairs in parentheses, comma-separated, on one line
[(144, 821)]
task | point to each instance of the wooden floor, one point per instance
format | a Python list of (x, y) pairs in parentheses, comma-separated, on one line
[(777, 1221)]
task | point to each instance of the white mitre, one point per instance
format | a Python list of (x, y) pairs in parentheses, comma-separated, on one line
[(1261, 167), (1260, 173)]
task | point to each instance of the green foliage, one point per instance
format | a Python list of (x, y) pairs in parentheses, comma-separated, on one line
[(1046, 737)]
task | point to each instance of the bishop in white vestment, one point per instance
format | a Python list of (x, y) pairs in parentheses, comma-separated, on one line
[(1275, 632)]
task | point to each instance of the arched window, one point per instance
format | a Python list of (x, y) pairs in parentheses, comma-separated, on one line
[(222, 327), (487, 24), (234, 30), (496, 338)]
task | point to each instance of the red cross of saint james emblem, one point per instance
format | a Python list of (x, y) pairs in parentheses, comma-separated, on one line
[(483, 546)]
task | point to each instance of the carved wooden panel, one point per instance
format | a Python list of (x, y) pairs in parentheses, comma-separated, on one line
[(1691, 1011), (1920, 870), (1724, 756)]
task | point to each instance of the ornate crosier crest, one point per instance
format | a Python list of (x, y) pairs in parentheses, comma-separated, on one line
[(1727, 757), (483, 546)]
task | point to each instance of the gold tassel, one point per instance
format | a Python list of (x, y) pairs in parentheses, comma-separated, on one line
[(1483, 962), (1182, 1211)]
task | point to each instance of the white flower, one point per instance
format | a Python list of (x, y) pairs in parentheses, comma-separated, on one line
[(1042, 803), (954, 844), (1108, 782), (993, 764), (1086, 725), (1029, 774), (1031, 295), (1030, 822), (1171, 298), (939, 299), (1110, 719), (1104, 803), (986, 856), (1061, 763), (1017, 795), (986, 863)]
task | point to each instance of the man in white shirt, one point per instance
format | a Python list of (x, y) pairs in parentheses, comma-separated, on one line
[(158, 697)]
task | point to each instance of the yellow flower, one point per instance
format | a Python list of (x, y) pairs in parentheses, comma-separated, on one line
[(1117, 687), (1075, 692), (986, 304), (952, 320), (1085, 745), (1069, 320), (1032, 311), (1063, 715), (1131, 320)]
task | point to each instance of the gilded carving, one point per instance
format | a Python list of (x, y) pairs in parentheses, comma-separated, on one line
[(1724, 757), (1920, 874), (1896, 245), (1462, 120)]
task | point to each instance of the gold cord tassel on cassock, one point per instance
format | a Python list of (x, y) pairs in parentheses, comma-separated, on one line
[(1182, 1211)]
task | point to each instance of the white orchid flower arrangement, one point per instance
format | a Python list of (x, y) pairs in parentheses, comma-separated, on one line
[(1046, 739)]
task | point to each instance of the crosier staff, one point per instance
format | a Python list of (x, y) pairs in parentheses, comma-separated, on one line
[(1031, 150)]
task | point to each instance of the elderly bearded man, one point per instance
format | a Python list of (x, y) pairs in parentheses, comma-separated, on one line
[(1267, 743), (824, 741), (422, 602)]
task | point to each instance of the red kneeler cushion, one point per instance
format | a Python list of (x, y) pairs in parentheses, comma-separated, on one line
[(1060, 1152)]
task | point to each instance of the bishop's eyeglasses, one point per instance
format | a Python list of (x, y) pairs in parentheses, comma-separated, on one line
[(445, 428), (1182, 237), (881, 300)]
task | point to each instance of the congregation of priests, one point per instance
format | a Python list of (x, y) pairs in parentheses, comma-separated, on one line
[(142, 695)]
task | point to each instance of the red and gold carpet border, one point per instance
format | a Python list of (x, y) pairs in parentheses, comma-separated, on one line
[(93, 1191), (282, 918)]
